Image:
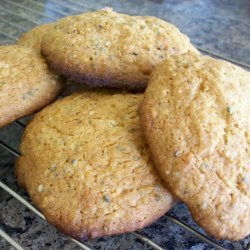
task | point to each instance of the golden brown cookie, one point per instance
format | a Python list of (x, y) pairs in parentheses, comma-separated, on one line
[(105, 48), (195, 115), (33, 38), (85, 164), (26, 83)]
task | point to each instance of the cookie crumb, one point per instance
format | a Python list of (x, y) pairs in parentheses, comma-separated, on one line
[(107, 9)]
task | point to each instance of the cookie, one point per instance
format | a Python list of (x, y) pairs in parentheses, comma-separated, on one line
[(195, 116), (105, 48), (85, 164), (26, 83), (33, 38)]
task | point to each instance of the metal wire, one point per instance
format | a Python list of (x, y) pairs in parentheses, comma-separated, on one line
[(148, 241), (49, 8), (34, 210), (244, 65), (9, 149), (83, 5), (70, 7), (12, 24), (29, 9), (196, 233), (20, 124), (19, 16), (10, 240), (9, 36)]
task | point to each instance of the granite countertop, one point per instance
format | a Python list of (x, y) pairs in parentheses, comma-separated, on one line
[(221, 26)]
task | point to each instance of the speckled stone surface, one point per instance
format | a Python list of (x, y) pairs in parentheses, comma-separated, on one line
[(218, 25)]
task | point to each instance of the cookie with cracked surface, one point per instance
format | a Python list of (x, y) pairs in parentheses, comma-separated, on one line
[(105, 48), (195, 116), (33, 38), (90, 174), (26, 83)]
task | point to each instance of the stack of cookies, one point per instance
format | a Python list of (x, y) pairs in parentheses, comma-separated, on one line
[(84, 159)]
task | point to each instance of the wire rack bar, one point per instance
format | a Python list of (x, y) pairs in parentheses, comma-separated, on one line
[(34, 210), (29, 9), (10, 240), (9, 36), (20, 124), (20, 199), (70, 7), (12, 24), (245, 65), (9, 149), (81, 4), (148, 241), (193, 231), (49, 8), (248, 246), (19, 16)]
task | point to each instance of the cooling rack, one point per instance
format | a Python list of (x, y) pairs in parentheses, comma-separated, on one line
[(19, 17)]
